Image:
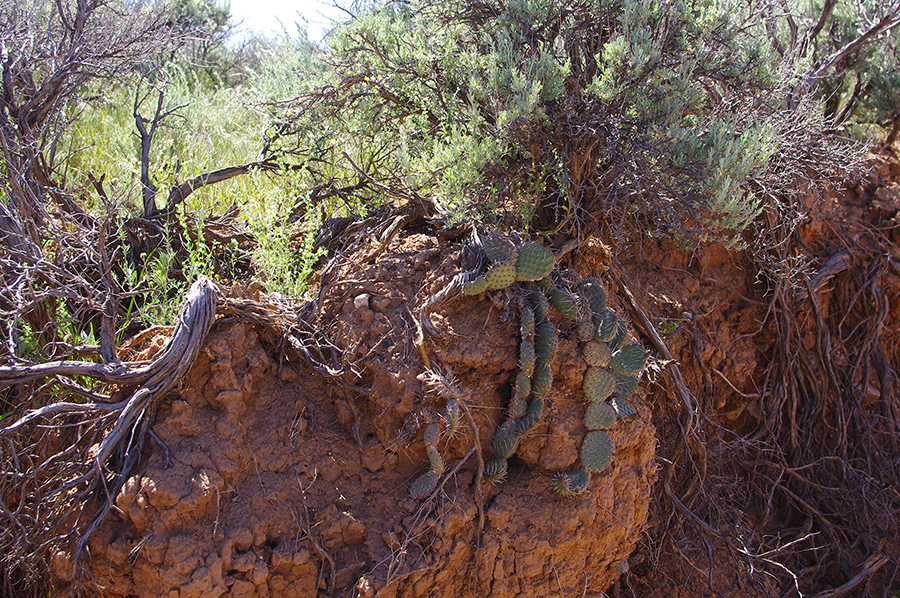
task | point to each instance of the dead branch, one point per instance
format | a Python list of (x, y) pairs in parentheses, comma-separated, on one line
[(103, 454)]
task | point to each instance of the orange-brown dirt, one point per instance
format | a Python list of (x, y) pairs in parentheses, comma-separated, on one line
[(286, 482)]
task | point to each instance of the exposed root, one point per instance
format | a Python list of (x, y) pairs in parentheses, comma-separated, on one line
[(54, 492)]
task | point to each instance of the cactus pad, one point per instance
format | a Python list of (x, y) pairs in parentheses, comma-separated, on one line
[(532, 416), (541, 306), (523, 386), (517, 407), (629, 360), (597, 450), (437, 464), (526, 320), (495, 471), (599, 416), (432, 434), (476, 286), (546, 285), (545, 342), (541, 380), (607, 326), (572, 484), (500, 276), (504, 443), (599, 384), (564, 302), (424, 485), (584, 331), (526, 358), (621, 334), (596, 354), (623, 409), (625, 385), (534, 262), (498, 249), (595, 294)]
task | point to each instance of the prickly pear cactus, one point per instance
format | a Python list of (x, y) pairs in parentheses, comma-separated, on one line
[(596, 354), (498, 249), (564, 302), (629, 360), (546, 342), (504, 443), (501, 276), (541, 381), (476, 286), (597, 451), (495, 471), (424, 485), (599, 384), (599, 416), (534, 262), (526, 274), (573, 483)]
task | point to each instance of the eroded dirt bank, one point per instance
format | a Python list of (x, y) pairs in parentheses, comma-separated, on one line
[(287, 482)]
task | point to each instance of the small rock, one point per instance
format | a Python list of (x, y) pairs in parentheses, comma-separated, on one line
[(361, 301)]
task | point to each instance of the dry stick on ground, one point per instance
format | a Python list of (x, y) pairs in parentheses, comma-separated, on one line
[(120, 428)]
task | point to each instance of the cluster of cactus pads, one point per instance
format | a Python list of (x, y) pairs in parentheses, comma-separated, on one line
[(614, 360)]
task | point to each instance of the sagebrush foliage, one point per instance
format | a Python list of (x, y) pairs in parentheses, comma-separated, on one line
[(561, 114)]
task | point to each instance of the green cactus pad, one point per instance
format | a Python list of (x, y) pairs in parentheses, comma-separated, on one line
[(584, 331), (546, 285), (597, 450), (545, 342), (517, 407), (596, 354), (540, 304), (498, 249), (475, 286), (621, 334), (523, 385), (599, 384), (505, 442), (593, 291), (532, 415), (629, 360), (572, 484), (564, 302), (623, 409), (534, 262), (599, 416), (424, 485), (437, 464), (527, 358), (526, 321), (495, 471), (607, 326), (500, 276), (432, 434), (625, 385), (541, 380)]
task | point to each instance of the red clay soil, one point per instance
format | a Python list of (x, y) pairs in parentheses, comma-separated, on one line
[(286, 482)]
